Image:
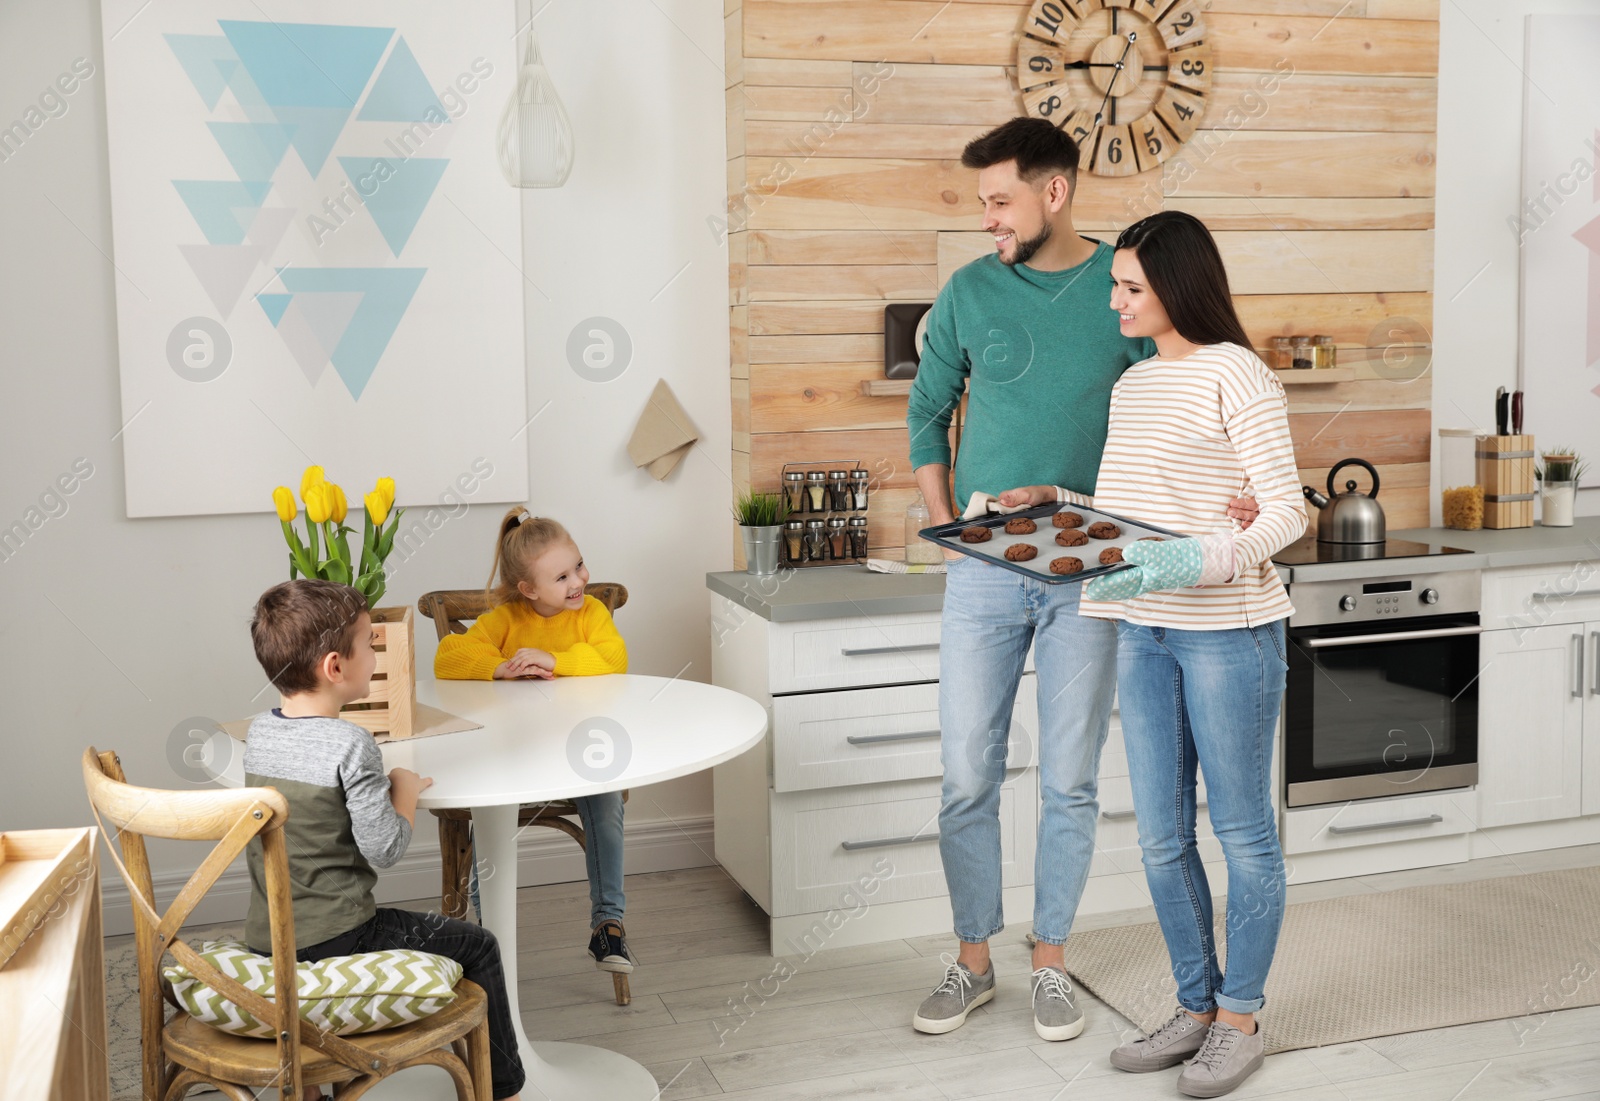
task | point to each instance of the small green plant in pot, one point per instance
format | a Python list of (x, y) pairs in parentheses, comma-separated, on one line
[(760, 517), (1558, 476)]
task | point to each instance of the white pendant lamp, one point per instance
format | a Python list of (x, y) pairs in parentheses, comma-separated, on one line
[(536, 144)]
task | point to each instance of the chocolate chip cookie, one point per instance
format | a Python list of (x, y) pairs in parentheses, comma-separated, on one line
[(1021, 552), (1066, 565)]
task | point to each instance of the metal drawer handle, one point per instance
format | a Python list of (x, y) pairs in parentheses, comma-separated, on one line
[(1575, 594), (1577, 666), (1594, 685), (1119, 815), (874, 739), (882, 842), (1392, 636), (867, 651), (1403, 823)]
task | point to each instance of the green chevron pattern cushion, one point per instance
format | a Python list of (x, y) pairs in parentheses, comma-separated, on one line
[(343, 995)]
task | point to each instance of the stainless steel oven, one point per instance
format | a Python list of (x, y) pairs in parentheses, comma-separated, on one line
[(1382, 695)]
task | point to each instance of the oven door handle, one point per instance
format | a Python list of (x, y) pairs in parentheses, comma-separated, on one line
[(1391, 636)]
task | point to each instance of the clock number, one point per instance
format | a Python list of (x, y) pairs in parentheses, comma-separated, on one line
[(1079, 134), (1050, 12), (1182, 111), (1151, 142), (1047, 107), (1181, 25), (1192, 67), (1041, 64), (1114, 150)]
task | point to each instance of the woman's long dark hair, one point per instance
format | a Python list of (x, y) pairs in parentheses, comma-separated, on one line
[(1184, 269)]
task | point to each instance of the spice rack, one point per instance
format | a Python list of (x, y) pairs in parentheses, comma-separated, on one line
[(826, 523)]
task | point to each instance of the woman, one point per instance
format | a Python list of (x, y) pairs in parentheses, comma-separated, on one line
[(1200, 659)]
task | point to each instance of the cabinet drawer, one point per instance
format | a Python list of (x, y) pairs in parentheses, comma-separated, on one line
[(876, 735), (826, 843), (857, 652), (1376, 821), (1531, 596)]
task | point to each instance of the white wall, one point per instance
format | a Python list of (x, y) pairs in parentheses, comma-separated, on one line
[(1476, 272), (114, 630)]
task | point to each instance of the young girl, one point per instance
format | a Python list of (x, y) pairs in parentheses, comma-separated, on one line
[(1200, 654), (544, 626)]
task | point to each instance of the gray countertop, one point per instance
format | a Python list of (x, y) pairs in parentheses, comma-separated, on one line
[(831, 592)]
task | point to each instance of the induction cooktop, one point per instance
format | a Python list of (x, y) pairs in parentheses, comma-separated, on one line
[(1309, 552)]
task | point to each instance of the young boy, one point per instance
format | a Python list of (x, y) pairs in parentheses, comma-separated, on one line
[(314, 640)]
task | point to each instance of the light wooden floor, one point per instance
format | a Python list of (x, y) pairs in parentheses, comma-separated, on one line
[(838, 1027)]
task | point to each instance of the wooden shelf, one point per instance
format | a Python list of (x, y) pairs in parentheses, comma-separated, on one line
[(1324, 376), (886, 387)]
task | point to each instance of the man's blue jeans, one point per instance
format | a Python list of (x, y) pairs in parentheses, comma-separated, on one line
[(991, 615), (1207, 698)]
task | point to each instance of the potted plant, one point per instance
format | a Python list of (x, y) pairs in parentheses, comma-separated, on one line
[(760, 517), (1558, 485), (325, 554)]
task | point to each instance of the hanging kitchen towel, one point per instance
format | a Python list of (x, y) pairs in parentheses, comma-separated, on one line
[(663, 435)]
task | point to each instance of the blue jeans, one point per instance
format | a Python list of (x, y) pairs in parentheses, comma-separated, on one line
[(602, 856), (1207, 698), (991, 615)]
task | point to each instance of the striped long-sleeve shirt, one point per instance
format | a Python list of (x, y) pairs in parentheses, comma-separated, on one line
[(1186, 436)]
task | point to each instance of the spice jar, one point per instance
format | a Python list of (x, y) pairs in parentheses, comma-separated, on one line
[(794, 541), (919, 549), (1460, 493), (858, 490), (838, 539), (1282, 354), (816, 541), (1323, 352), (839, 490), (1300, 346), (858, 536), (794, 491), (816, 491)]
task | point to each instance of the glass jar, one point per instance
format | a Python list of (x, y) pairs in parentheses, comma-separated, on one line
[(1300, 348), (858, 490), (919, 549), (1282, 354), (858, 536), (839, 490), (838, 540), (1460, 494), (816, 542), (816, 491), (794, 541), (794, 491), (1323, 352)]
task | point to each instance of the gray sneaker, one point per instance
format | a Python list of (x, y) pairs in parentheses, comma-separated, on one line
[(1056, 1015), (946, 1009), (1167, 1046), (1226, 1059)]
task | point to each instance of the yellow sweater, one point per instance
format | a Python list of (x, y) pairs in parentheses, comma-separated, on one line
[(584, 642)]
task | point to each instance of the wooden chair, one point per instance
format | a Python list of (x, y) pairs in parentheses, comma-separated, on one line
[(450, 609), (184, 1052)]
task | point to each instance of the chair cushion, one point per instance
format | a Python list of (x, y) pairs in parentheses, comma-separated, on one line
[(344, 995)]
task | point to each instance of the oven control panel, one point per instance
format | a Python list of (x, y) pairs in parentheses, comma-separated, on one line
[(1382, 598)]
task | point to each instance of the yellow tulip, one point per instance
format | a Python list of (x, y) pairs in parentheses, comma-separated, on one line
[(377, 507), (338, 508), (313, 476), (283, 500), (319, 502), (386, 488)]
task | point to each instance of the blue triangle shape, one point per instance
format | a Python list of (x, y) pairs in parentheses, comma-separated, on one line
[(387, 294), (273, 305), (200, 55), (313, 131), (395, 192), (253, 148), (223, 209), (401, 93), (308, 64)]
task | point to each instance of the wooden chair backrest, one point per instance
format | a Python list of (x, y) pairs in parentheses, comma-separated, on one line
[(232, 819), (450, 609)]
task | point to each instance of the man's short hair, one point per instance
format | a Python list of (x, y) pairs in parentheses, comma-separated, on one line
[(298, 623), (1038, 147)]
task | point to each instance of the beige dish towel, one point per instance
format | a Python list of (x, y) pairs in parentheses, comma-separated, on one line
[(428, 721), (663, 435)]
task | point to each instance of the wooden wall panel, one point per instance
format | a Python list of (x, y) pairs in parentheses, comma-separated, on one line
[(1315, 171)]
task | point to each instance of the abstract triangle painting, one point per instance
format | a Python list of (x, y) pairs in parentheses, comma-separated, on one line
[(288, 182)]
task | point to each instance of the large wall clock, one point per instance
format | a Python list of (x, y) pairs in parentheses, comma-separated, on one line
[(1128, 79)]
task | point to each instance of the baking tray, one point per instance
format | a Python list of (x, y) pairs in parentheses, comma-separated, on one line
[(1038, 568)]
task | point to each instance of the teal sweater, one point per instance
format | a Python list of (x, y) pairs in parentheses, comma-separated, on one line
[(1042, 350)]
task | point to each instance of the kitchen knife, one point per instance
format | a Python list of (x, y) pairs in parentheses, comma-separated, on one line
[(1500, 409), (1516, 412)]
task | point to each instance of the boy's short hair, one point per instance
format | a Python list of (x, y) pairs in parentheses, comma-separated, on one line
[(298, 623), (1039, 148)]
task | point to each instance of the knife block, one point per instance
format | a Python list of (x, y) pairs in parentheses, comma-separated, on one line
[(1505, 470)]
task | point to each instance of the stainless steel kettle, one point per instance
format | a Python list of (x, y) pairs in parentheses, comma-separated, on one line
[(1351, 517)]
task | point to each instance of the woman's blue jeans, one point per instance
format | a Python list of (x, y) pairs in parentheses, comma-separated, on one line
[(1208, 699)]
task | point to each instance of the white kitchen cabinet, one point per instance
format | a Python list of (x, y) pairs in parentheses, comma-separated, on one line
[(1532, 762)]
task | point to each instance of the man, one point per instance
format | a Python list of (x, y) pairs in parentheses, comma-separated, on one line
[(1029, 331)]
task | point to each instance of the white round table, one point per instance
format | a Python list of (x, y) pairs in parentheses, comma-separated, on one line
[(558, 739)]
